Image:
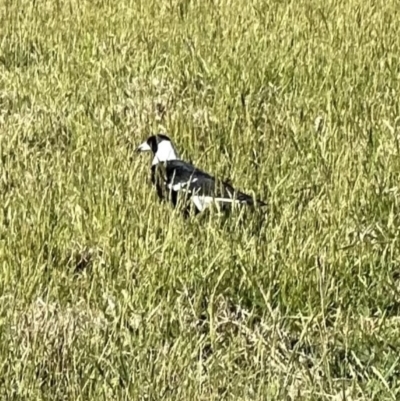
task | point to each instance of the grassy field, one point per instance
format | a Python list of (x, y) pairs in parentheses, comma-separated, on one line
[(106, 294)]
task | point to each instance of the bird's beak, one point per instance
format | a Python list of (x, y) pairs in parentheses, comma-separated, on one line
[(144, 147)]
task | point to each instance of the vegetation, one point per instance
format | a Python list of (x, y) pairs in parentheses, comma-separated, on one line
[(108, 294)]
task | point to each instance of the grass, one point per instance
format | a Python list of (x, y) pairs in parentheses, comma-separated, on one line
[(106, 294)]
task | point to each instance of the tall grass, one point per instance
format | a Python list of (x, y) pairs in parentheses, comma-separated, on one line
[(108, 294)]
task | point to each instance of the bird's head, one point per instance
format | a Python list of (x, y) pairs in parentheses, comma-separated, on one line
[(161, 146)]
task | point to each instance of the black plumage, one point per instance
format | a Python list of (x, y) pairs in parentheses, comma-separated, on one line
[(198, 182)]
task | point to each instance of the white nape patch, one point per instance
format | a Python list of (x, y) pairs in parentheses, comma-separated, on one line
[(180, 185), (165, 152), (144, 147), (202, 201)]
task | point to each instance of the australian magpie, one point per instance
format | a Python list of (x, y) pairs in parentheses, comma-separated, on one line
[(172, 176)]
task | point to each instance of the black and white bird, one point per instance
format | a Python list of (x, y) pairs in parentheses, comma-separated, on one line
[(173, 177)]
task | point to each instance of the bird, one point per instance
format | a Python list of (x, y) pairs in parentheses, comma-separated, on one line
[(174, 177)]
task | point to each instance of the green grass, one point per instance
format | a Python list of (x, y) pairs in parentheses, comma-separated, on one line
[(107, 294)]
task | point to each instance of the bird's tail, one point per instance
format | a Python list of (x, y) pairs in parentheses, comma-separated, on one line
[(260, 203), (249, 200)]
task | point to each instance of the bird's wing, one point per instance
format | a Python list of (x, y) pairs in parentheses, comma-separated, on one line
[(202, 187)]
